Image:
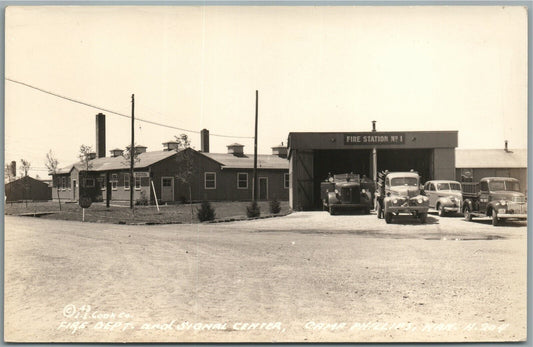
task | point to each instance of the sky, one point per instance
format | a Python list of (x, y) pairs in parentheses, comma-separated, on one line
[(317, 68)]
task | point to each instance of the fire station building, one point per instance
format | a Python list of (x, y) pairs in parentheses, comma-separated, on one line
[(312, 156)]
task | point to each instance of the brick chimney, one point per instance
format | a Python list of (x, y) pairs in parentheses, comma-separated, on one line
[(100, 135), (236, 149), (204, 134)]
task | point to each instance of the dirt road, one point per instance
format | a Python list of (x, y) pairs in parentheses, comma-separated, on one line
[(305, 277)]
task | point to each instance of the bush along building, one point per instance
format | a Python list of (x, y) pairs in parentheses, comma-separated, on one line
[(172, 175)]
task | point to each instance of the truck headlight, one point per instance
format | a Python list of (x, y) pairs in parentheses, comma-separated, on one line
[(395, 201), (363, 191), (419, 200)]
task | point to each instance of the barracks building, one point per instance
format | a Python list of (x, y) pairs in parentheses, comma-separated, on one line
[(215, 176)]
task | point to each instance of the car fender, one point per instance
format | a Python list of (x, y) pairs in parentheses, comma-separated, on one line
[(332, 198), (444, 201), (493, 205)]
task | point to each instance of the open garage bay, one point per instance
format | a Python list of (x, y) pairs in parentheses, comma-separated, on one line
[(305, 277)]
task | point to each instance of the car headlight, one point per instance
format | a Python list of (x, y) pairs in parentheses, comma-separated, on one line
[(419, 200), (363, 191), (395, 201), (503, 202)]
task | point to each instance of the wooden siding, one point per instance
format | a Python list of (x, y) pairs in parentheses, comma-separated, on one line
[(27, 188)]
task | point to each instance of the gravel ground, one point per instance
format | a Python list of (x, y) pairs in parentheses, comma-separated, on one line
[(311, 276)]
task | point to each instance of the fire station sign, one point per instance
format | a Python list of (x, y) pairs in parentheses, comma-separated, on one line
[(141, 174), (374, 138)]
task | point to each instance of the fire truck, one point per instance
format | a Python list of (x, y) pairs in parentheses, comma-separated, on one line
[(347, 192)]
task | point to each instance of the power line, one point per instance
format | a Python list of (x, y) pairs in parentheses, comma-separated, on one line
[(118, 113)]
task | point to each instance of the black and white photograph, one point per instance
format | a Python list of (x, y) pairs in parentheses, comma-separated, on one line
[(265, 173)]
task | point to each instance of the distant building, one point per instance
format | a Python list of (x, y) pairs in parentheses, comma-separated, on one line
[(471, 165), (27, 188)]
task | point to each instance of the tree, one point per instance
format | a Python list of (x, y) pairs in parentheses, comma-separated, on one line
[(186, 167), (127, 154), (24, 167), (52, 164), (9, 174), (85, 157)]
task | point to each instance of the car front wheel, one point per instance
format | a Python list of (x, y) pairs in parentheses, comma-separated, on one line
[(495, 219), (468, 214)]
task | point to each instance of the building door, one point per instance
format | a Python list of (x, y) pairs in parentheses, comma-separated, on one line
[(74, 189), (263, 188), (167, 189)]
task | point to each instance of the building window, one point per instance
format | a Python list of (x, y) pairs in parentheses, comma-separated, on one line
[(137, 183), (210, 180), (242, 180), (63, 183), (89, 182), (286, 180), (126, 181), (114, 181)]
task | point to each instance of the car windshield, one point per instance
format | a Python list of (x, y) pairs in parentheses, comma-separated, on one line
[(512, 186), (448, 186), (404, 181)]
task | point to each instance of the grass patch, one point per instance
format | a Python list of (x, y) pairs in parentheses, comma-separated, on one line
[(119, 212)]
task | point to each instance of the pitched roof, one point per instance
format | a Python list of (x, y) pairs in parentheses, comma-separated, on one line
[(24, 179), (490, 158), (120, 163), (264, 161)]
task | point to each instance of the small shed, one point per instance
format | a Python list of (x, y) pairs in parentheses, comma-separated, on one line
[(27, 188)]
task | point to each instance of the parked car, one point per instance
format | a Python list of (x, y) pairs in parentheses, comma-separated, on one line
[(496, 197), (444, 196), (402, 195)]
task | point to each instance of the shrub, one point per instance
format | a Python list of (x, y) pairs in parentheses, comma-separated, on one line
[(253, 210), (275, 206), (205, 212), (142, 200)]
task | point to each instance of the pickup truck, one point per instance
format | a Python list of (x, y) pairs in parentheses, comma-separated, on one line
[(496, 197), (403, 195)]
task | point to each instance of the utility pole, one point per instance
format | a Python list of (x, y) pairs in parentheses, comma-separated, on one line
[(374, 156), (254, 191), (132, 149)]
